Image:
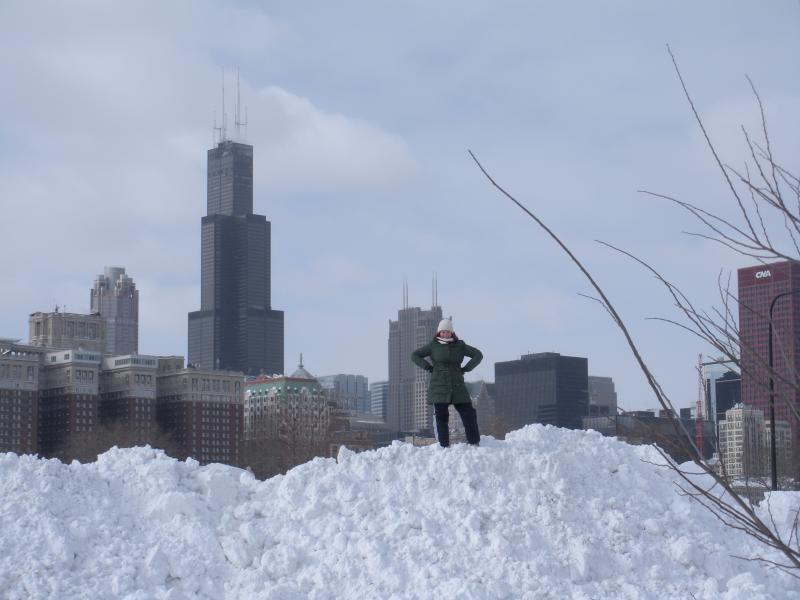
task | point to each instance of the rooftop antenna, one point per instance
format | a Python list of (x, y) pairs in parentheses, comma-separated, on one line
[(223, 127), (237, 118), (217, 131), (301, 360)]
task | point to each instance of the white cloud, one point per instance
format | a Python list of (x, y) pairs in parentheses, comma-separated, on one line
[(302, 146)]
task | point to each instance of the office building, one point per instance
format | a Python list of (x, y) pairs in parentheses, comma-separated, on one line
[(480, 392), (201, 409), (407, 409), (742, 442), (602, 396), (61, 330), (727, 393), (758, 287), (350, 392), (723, 388), (542, 388), (19, 397), (236, 328), (115, 298), (379, 396)]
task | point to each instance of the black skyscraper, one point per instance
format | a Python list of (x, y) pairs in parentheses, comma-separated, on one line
[(542, 388), (235, 328)]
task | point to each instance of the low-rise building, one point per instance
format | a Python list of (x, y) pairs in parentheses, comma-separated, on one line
[(675, 436)]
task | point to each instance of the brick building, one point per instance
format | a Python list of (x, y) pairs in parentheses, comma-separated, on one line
[(19, 397), (201, 410), (128, 397), (68, 404)]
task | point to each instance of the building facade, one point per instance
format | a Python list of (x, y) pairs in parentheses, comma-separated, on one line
[(19, 397), (287, 421), (407, 407), (128, 401), (742, 443), (379, 397), (201, 410), (68, 404), (542, 388), (62, 330), (236, 328), (758, 288), (783, 448), (602, 396), (723, 387), (350, 392), (115, 298)]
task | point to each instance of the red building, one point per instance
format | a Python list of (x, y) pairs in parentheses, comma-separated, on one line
[(758, 287)]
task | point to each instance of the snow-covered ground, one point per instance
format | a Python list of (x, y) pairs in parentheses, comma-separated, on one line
[(548, 513)]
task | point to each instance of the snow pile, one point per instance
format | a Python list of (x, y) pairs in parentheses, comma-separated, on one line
[(548, 513)]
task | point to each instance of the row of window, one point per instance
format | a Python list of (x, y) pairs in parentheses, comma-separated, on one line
[(15, 372)]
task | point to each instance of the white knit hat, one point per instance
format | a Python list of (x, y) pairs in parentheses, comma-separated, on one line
[(445, 325)]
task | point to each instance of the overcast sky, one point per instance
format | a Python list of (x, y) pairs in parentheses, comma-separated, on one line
[(361, 114)]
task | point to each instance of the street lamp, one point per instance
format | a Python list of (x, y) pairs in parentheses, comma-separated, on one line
[(773, 453)]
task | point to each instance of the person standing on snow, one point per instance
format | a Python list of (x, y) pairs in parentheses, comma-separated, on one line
[(446, 353)]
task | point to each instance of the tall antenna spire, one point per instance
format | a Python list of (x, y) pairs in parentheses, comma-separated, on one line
[(237, 114), (215, 131), (224, 126)]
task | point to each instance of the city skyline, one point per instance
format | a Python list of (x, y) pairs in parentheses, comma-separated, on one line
[(365, 174)]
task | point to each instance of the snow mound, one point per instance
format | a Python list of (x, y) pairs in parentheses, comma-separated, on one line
[(548, 513)]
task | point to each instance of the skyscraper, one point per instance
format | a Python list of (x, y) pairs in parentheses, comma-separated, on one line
[(379, 396), (407, 408), (542, 388), (350, 392), (602, 396), (115, 298), (236, 328), (758, 287)]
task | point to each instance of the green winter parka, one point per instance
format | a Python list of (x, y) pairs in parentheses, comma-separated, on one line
[(447, 379)]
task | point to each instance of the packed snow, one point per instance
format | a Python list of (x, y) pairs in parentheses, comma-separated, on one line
[(547, 513)]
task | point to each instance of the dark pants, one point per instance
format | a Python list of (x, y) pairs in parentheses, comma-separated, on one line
[(468, 417)]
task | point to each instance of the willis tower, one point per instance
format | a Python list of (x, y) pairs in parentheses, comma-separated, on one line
[(235, 328)]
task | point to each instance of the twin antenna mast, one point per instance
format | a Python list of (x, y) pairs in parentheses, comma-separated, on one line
[(434, 291), (220, 132)]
